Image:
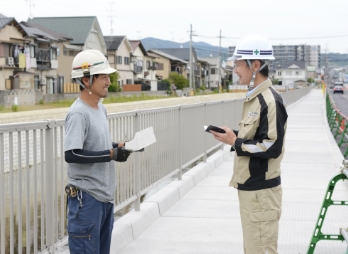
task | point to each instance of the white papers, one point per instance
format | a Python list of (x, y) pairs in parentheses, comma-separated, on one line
[(141, 139)]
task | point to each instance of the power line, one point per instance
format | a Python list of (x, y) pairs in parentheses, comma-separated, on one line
[(280, 38)]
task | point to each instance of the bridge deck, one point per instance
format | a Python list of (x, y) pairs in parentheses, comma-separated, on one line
[(205, 219)]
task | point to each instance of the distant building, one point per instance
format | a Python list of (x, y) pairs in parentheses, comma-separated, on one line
[(291, 73)]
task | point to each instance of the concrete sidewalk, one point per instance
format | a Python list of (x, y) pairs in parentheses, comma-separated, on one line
[(200, 214)]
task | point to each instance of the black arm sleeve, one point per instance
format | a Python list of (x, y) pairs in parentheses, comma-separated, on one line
[(85, 156)]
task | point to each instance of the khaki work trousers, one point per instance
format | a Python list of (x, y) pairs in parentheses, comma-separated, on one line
[(260, 212)]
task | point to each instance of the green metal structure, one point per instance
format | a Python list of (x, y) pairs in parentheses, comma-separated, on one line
[(317, 234)]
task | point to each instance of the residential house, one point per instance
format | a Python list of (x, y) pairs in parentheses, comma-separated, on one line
[(28, 57), (213, 77), (184, 54), (205, 66), (46, 49), (311, 72), (85, 33), (141, 58), (167, 63), (119, 53), (13, 40), (291, 73)]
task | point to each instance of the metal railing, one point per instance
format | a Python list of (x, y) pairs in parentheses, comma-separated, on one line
[(33, 172), (338, 123)]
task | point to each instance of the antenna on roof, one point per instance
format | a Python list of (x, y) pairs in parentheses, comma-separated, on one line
[(110, 16), (31, 4)]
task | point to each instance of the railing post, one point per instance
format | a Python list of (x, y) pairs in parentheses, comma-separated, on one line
[(49, 183), (205, 136), (222, 120), (137, 166), (180, 144), (2, 195)]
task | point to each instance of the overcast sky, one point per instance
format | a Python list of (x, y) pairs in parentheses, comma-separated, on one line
[(284, 22)]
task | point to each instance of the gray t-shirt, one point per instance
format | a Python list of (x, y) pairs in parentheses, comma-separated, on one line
[(86, 128)]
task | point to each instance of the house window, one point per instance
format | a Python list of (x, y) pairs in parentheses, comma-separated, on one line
[(148, 65), (49, 85), (119, 83), (4, 50), (129, 81), (53, 53), (119, 59), (60, 86), (279, 73), (36, 82), (160, 66), (71, 53), (65, 52), (212, 71), (122, 83), (126, 60), (32, 51)]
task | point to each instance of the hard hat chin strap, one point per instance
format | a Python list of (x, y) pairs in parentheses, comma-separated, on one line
[(90, 83), (251, 85)]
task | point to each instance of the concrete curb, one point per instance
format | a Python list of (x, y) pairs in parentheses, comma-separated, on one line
[(130, 226)]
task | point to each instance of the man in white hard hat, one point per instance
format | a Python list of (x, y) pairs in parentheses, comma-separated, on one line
[(258, 146), (90, 154)]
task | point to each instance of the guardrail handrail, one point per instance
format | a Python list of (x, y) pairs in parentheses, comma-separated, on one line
[(338, 123)]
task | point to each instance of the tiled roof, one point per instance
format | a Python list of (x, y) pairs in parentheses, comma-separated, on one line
[(5, 21), (78, 28), (170, 57), (113, 42), (287, 64), (181, 53), (38, 30), (135, 43)]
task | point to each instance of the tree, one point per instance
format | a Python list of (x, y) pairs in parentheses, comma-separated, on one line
[(310, 80), (178, 80), (114, 87), (275, 81)]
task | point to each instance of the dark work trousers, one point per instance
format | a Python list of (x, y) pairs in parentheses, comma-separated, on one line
[(90, 224)]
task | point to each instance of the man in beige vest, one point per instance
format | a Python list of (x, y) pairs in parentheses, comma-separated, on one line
[(258, 146)]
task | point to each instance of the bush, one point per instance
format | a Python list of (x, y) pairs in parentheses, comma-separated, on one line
[(14, 108), (114, 88), (178, 80)]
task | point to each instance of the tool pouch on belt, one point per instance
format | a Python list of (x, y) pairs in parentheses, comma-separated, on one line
[(71, 190)]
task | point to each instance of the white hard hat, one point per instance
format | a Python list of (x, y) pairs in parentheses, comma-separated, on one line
[(90, 62), (253, 46)]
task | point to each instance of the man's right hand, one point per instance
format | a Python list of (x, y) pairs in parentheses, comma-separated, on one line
[(120, 154)]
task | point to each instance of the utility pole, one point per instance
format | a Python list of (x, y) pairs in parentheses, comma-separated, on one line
[(326, 73), (191, 60), (219, 66)]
